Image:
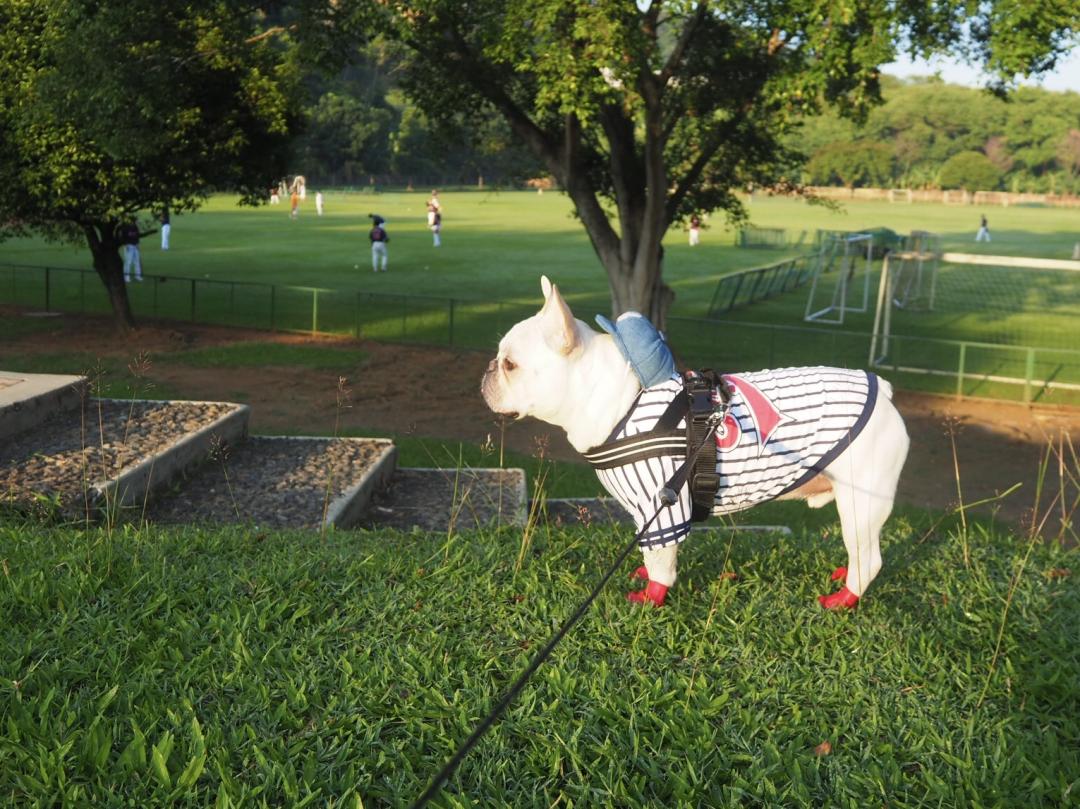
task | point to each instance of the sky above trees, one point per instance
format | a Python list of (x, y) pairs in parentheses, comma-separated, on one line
[(1065, 77)]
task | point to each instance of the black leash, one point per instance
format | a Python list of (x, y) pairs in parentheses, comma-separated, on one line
[(668, 495)]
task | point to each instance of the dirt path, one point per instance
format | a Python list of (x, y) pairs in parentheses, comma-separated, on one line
[(435, 392)]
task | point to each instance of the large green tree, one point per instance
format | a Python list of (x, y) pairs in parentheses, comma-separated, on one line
[(646, 112), (109, 112), (346, 139), (970, 170), (926, 123), (853, 164)]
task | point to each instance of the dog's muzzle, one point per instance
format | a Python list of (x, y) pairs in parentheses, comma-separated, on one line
[(489, 389)]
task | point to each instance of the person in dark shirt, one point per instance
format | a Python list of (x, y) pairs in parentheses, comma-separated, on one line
[(379, 239), (129, 235)]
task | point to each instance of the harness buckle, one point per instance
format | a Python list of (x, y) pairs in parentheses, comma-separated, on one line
[(706, 483), (701, 402), (718, 414), (703, 417)]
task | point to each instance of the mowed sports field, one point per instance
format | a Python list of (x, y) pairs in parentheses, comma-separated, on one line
[(496, 245)]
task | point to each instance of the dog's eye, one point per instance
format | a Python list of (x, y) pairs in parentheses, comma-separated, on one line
[(508, 365)]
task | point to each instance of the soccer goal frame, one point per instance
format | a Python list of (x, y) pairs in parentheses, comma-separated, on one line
[(851, 252), (1028, 361)]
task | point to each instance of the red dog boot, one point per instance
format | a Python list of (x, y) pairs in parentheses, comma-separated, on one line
[(641, 573), (841, 599), (839, 573), (654, 593)]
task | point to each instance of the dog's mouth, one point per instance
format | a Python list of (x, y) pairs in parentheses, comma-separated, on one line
[(489, 390)]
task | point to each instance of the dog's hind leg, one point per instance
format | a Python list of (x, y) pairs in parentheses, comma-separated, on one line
[(660, 570), (864, 478)]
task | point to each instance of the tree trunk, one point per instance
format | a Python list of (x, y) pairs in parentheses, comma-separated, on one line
[(632, 258), (640, 287), (104, 242), (634, 263)]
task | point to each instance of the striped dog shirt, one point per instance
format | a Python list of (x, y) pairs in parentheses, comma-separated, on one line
[(782, 428)]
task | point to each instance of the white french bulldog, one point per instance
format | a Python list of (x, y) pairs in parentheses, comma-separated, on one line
[(557, 369)]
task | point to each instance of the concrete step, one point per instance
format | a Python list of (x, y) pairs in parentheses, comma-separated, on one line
[(111, 453), (282, 482), (27, 400), (63, 453), (444, 499)]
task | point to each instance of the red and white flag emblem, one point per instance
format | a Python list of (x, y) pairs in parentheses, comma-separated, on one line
[(765, 415)]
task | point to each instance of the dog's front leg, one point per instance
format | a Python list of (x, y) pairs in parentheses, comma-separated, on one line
[(659, 569)]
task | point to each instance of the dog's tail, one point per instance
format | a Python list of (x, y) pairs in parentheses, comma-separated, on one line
[(885, 388)]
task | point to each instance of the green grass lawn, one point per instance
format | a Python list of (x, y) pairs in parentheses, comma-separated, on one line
[(154, 667), (242, 668)]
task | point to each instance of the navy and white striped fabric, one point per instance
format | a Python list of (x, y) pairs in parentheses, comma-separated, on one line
[(783, 428)]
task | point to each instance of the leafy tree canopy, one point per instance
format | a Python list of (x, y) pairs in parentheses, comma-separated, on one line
[(346, 134), (361, 128), (970, 170), (109, 110), (646, 112), (862, 163)]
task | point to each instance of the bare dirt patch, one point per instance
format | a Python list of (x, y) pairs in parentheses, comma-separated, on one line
[(434, 392)]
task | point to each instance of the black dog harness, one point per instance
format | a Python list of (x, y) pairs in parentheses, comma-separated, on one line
[(683, 426), (778, 429)]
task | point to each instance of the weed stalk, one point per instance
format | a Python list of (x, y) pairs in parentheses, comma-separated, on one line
[(959, 494), (457, 503), (105, 473), (138, 367), (537, 505), (1033, 537), (219, 451)]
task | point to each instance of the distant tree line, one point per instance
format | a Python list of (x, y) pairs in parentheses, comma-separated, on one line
[(928, 134), (360, 127)]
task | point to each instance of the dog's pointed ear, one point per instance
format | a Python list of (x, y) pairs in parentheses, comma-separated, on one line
[(559, 328)]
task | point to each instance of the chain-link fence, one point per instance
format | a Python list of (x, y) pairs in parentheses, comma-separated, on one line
[(963, 368)]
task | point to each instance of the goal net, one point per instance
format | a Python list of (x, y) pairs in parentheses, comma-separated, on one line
[(759, 283), (764, 237), (915, 268), (982, 319), (841, 281)]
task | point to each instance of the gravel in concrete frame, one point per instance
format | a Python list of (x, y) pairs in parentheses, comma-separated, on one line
[(67, 454), (438, 499), (269, 482)]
